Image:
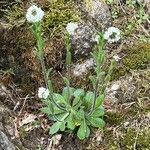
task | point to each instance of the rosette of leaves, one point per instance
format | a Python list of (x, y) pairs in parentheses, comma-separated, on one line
[(75, 115)]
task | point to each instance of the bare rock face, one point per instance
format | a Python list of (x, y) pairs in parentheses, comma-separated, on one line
[(83, 39), (132, 87), (97, 18), (5, 143), (99, 13)]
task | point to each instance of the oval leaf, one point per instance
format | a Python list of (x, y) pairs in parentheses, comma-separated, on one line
[(97, 122), (100, 100), (78, 93)]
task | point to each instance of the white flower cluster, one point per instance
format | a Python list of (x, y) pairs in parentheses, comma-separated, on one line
[(96, 38), (112, 35), (71, 27), (43, 93), (34, 14)]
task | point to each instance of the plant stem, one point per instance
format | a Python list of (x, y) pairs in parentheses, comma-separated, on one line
[(40, 46), (95, 97)]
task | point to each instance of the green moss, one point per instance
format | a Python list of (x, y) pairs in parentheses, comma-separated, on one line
[(137, 57), (141, 138), (58, 14), (114, 118), (128, 139), (15, 16)]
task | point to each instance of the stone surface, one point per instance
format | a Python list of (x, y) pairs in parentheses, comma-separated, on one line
[(5, 143), (83, 40), (83, 68), (99, 13), (97, 19), (132, 87)]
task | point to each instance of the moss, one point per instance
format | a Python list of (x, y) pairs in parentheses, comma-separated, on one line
[(15, 16), (128, 139), (142, 139), (114, 118), (58, 14), (137, 57)]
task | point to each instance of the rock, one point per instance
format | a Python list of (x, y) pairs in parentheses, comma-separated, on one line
[(83, 40), (83, 68), (8, 139), (99, 13), (131, 87), (97, 18), (5, 143)]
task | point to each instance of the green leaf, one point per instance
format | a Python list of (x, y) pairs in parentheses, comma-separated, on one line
[(99, 112), (70, 122), (93, 80), (80, 115), (55, 127), (59, 98), (63, 126), (48, 72), (82, 131), (87, 131), (107, 78), (68, 58), (66, 90), (67, 82), (97, 122), (46, 110), (78, 93), (77, 103), (100, 100), (89, 97)]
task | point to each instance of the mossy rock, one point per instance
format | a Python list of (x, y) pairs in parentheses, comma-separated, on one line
[(136, 57)]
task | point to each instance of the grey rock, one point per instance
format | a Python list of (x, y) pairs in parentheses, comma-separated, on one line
[(97, 18), (5, 143), (83, 39), (99, 13), (129, 87)]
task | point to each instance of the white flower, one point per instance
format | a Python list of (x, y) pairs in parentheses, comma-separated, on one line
[(96, 38), (34, 14), (112, 35), (71, 27), (116, 57), (43, 92)]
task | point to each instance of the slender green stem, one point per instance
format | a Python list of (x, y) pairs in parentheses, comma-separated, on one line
[(95, 97), (40, 46)]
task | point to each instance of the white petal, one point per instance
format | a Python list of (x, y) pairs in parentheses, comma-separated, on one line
[(32, 18), (71, 27)]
